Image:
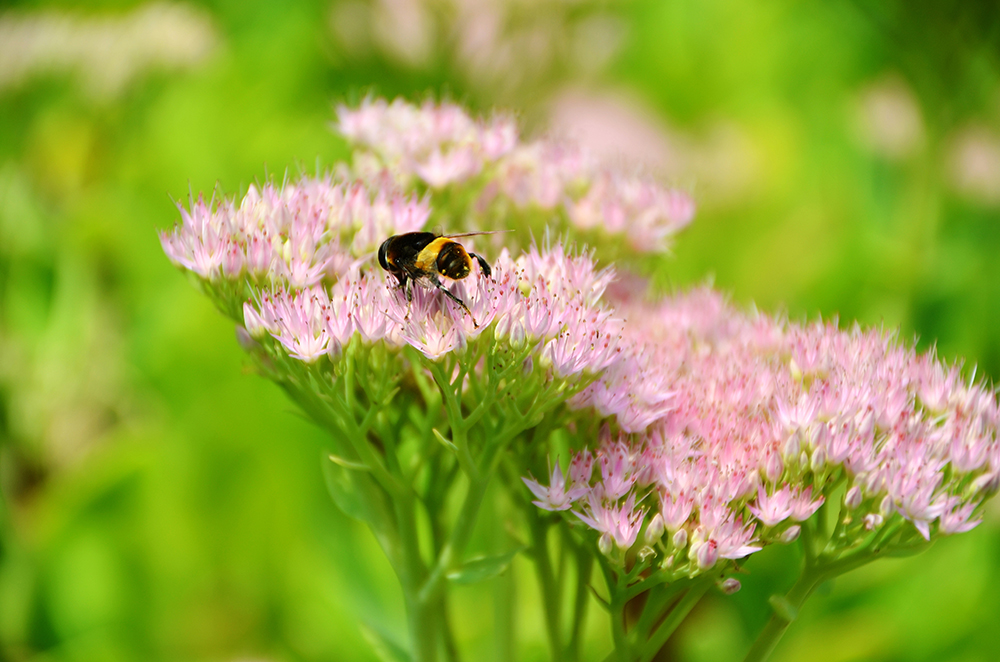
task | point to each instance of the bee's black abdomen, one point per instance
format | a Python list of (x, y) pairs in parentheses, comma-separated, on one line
[(453, 262), (398, 253), (382, 254)]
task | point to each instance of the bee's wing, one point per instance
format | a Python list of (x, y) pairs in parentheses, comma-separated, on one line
[(473, 234)]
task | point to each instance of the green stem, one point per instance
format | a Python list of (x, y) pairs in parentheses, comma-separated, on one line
[(448, 637), (675, 617), (782, 618), (659, 599), (616, 607), (584, 568), (808, 539), (457, 422), (421, 618), (460, 534), (813, 574), (504, 616), (546, 578)]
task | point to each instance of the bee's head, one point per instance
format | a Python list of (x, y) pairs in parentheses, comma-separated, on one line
[(382, 254), (453, 261)]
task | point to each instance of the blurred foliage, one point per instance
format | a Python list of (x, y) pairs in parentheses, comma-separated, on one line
[(160, 503)]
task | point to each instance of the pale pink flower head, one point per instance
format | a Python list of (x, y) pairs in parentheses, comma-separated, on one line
[(581, 468), (297, 235), (556, 496), (772, 509), (295, 319), (763, 412), (438, 143), (442, 146), (622, 522)]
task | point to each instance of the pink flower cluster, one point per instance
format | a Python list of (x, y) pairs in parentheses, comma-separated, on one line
[(441, 145), (731, 428), (306, 249), (572, 332), (762, 415), (299, 234)]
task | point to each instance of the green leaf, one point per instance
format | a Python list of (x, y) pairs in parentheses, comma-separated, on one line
[(347, 464), (385, 648), (445, 442), (601, 601), (341, 483), (482, 568)]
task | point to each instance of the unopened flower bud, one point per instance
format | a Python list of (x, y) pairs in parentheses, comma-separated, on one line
[(705, 554), (655, 529), (255, 324), (502, 327), (528, 366), (730, 585), (605, 544), (680, 538), (818, 461), (803, 459), (874, 482), (245, 340), (885, 508), (791, 534), (773, 468), (793, 447), (873, 521), (853, 498), (986, 485), (517, 335)]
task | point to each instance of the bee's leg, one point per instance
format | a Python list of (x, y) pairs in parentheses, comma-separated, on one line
[(408, 288), (437, 283), (483, 264)]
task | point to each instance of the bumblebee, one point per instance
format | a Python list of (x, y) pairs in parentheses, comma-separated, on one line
[(425, 258)]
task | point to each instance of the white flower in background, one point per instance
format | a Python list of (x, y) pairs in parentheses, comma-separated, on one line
[(507, 48), (888, 120), (974, 164), (106, 52)]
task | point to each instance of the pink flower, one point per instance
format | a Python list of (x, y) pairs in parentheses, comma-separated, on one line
[(297, 320), (733, 539), (442, 145), (759, 409), (298, 234), (581, 468), (617, 476), (802, 506), (956, 517), (772, 509), (676, 509), (620, 522), (555, 496)]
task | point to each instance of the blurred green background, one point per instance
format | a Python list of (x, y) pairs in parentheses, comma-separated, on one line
[(159, 502)]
